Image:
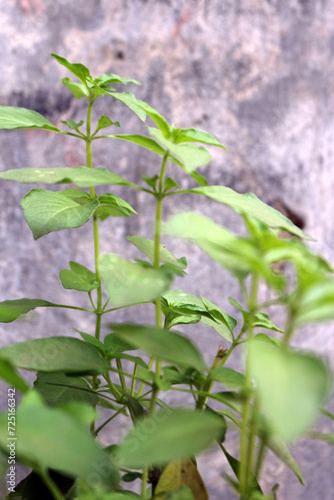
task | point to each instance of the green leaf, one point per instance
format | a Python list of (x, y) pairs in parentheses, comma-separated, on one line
[(262, 337), (281, 450), (55, 354), (166, 436), (135, 407), (46, 211), (13, 118), (131, 102), (190, 156), (147, 247), (216, 240), (80, 176), (68, 448), (169, 346), (110, 78), (78, 278), (58, 389), (200, 179), (142, 109), (292, 387), (228, 377), (77, 195), (195, 135), (128, 283), (113, 205), (172, 319), (260, 319), (90, 339), (319, 436), (10, 310), (131, 476), (170, 183), (151, 145), (12, 377), (187, 304), (115, 345), (231, 399), (236, 467), (184, 303), (316, 302), (78, 69), (78, 89), (220, 316), (240, 256), (72, 125), (151, 181), (128, 357), (141, 140), (327, 413), (250, 205), (104, 122), (84, 414)]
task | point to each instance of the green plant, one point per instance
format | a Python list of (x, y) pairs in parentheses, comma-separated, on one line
[(276, 399)]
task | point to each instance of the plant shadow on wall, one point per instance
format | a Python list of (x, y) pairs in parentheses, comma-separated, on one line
[(55, 427)]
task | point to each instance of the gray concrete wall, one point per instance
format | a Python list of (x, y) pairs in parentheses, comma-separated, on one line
[(258, 74)]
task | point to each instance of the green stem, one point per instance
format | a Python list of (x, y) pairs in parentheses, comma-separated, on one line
[(222, 360), (91, 300), (142, 385), (99, 429), (53, 488), (123, 307), (288, 330), (126, 374), (260, 457), (89, 161), (78, 136), (114, 391), (121, 375), (70, 307), (133, 383), (144, 482), (246, 441), (156, 264), (208, 384)]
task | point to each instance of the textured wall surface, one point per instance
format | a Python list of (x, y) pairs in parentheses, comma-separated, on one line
[(258, 74)]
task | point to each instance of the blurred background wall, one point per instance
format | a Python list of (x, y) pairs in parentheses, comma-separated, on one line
[(258, 74)]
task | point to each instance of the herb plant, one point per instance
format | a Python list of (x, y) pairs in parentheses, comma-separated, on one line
[(274, 402)]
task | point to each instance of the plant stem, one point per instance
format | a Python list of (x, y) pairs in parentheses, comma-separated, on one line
[(142, 385), (260, 457), (144, 482), (121, 375), (108, 420), (95, 224), (70, 307), (156, 264), (208, 384), (246, 442), (53, 488), (133, 383), (98, 310), (114, 391), (78, 136)]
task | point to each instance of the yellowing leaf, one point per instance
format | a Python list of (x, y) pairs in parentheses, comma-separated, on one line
[(178, 474)]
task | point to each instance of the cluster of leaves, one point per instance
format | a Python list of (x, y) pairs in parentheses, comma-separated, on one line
[(275, 401)]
